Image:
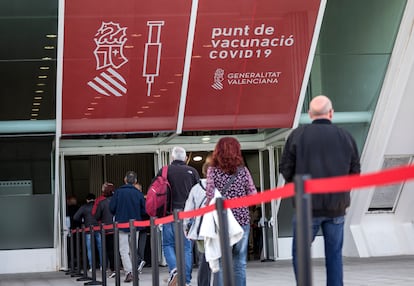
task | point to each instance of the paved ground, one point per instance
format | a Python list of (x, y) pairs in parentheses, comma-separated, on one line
[(395, 270)]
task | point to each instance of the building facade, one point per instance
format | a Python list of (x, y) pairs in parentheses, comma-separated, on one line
[(55, 143)]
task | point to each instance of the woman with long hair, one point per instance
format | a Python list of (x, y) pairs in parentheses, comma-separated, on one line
[(232, 179)]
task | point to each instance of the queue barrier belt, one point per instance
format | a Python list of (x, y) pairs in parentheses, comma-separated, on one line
[(312, 186)]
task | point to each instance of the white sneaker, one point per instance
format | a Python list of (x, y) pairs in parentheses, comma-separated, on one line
[(172, 280), (140, 266)]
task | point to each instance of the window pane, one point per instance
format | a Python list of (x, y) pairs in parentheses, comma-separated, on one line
[(26, 192)]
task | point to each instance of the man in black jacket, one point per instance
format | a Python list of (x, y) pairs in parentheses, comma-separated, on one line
[(181, 178), (321, 150), (84, 215)]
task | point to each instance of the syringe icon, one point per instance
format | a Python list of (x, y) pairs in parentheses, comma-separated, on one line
[(152, 54)]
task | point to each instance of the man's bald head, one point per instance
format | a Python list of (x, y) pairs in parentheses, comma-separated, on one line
[(320, 107)]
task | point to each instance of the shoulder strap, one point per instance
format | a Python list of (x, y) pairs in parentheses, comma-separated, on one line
[(202, 202), (164, 171), (205, 197), (169, 190), (232, 178)]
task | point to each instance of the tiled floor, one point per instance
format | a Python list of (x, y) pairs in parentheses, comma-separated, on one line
[(395, 270)]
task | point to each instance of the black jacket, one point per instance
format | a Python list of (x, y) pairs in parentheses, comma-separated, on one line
[(103, 213), (181, 178), (321, 150), (84, 215)]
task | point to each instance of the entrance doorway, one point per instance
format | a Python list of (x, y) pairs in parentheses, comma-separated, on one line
[(86, 174), (83, 174)]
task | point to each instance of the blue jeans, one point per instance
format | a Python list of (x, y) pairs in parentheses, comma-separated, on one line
[(98, 243), (333, 234), (239, 252), (168, 246)]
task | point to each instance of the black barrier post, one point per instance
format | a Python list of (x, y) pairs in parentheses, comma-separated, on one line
[(133, 251), (179, 248), (78, 263), (92, 236), (116, 255), (104, 258), (77, 272), (303, 231), (70, 270), (265, 242), (226, 250), (84, 258), (154, 253), (72, 253)]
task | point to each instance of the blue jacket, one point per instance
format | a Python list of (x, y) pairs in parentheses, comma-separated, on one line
[(127, 203)]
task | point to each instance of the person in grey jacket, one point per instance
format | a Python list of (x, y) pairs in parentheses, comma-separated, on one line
[(321, 150)]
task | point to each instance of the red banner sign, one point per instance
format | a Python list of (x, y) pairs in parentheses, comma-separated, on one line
[(130, 66), (250, 65)]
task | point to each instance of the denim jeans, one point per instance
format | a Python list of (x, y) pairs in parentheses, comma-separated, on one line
[(239, 252), (333, 234), (98, 243), (168, 246)]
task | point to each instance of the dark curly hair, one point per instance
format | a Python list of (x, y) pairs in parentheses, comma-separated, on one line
[(227, 155)]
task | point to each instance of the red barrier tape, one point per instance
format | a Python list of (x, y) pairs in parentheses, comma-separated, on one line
[(313, 186), (338, 184)]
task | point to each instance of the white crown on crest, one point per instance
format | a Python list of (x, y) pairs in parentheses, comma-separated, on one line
[(110, 33)]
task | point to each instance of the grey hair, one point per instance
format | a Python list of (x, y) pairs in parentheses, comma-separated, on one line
[(178, 153), (131, 177)]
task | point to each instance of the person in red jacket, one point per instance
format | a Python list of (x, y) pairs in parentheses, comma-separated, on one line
[(99, 199)]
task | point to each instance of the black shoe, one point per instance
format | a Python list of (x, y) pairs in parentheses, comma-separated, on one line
[(128, 277)]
